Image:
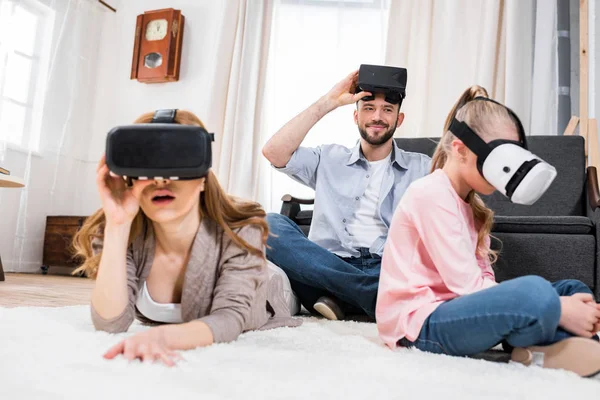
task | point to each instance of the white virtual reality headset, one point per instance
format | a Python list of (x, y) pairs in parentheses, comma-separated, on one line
[(507, 165)]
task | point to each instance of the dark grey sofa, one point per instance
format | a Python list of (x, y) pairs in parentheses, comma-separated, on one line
[(556, 238)]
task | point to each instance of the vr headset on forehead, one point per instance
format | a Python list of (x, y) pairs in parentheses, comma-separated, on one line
[(508, 165), (391, 81), (161, 149)]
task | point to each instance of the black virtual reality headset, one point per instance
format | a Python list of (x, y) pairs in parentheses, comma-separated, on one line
[(390, 81), (160, 149), (508, 165)]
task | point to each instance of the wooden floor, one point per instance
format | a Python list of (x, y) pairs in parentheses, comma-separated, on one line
[(44, 290)]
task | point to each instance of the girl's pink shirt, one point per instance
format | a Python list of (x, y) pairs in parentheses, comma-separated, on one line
[(430, 257)]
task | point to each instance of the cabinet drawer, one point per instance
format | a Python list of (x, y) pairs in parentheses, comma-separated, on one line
[(64, 221), (58, 240), (61, 230)]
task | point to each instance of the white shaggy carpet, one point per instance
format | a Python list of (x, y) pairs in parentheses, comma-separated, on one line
[(54, 353)]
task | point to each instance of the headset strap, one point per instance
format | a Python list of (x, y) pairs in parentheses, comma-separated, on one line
[(164, 116), (472, 140), (168, 117)]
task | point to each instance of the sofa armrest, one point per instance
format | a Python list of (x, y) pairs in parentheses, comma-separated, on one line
[(291, 206), (288, 198), (592, 188)]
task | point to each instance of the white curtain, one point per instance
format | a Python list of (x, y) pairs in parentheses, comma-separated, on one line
[(48, 147), (544, 89), (239, 97), (314, 45), (506, 46)]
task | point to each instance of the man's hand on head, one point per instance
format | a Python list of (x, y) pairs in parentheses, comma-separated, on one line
[(343, 92)]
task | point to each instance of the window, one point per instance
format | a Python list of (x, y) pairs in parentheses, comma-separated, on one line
[(25, 37), (315, 44)]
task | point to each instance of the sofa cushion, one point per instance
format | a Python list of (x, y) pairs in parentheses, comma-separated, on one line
[(551, 256), (566, 195), (563, 225), (418, 145), (511, 224)]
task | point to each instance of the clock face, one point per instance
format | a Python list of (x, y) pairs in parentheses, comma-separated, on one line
[(156, 29)]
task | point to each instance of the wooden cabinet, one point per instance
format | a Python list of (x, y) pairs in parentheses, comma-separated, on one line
[(58, 242)]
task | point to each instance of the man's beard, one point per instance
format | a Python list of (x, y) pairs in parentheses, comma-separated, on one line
[(380, 140)]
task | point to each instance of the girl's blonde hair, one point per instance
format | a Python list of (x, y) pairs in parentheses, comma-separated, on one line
[(484, 118), (228, 212)]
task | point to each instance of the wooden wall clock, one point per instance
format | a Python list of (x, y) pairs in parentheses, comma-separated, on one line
[(157, 46)]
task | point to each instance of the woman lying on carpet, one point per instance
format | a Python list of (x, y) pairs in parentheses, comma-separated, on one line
[(180, 253), (437, 290)]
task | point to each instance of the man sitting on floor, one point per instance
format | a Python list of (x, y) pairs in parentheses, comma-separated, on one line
[(336, 269)]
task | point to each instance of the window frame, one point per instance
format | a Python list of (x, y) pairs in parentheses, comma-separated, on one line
[(30, 135), (280, 52)]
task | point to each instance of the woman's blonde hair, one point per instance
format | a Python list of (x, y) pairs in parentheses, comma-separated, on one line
[(484, 118), (228, 212)]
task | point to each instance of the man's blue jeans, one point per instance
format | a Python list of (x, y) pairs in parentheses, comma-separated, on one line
[(520, 312), (315, 272)]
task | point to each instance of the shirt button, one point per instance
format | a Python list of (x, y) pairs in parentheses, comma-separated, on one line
[(368, 175), (344, 220), (356, 198)]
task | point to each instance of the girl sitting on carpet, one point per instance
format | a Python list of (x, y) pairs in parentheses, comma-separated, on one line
[(437, 290), (180, 253)]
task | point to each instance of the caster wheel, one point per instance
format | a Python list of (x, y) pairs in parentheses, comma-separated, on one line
[(44, 269)]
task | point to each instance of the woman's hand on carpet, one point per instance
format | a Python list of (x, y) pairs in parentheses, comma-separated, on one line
[(151, 345)]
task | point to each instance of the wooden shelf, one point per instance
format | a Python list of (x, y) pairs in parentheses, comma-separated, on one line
[(10, 181)]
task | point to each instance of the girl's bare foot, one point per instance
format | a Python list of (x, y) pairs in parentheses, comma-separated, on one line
[(576, 354)]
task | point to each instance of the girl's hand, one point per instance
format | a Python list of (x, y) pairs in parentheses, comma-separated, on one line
[(597, 325), (120, 203), (592, 303), (577, 316), (151, 345)]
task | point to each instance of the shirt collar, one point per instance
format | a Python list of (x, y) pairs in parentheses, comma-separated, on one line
[(397, 155), (355, 155)]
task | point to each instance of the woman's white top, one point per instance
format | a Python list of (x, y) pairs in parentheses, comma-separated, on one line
[(169, 313)]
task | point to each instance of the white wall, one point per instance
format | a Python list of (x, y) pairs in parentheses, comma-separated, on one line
[(593, 58), (120, 100), (208, 36)]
